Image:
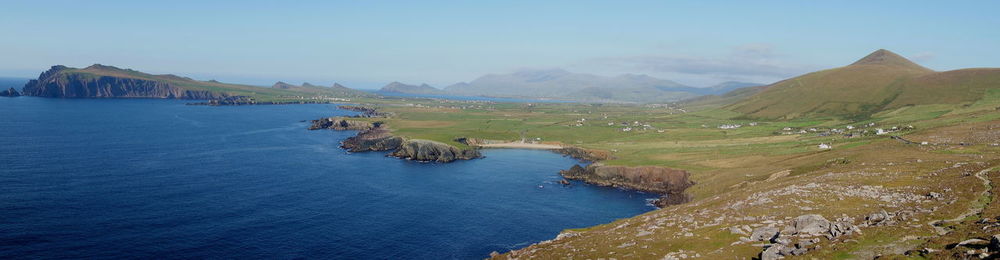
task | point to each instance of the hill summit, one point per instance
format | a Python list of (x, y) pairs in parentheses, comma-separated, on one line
[(888, 58)]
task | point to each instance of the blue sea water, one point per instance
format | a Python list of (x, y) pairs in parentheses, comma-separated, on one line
[(131, 178)]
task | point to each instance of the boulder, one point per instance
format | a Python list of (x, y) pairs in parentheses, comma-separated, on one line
[(812, 224), (772, 253), (764, 234)]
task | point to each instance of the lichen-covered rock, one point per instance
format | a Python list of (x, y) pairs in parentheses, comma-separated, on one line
[(431, 151)]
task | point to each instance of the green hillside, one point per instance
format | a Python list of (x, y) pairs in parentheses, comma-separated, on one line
[(878, 82)]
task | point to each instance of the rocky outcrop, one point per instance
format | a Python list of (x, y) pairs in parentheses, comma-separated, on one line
[(585, 154), (56, 83), (375, 136), (798, 237), (374, 139), (336, 123), (670, 182), (427, 150), (10, 93)]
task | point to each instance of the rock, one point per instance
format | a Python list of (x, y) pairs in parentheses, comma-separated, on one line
[(764, 234), (841, 228), (564, 182), (995, 243), (804, 243), (878, 219), (772, 253), (431, 151), (812, 224), (974, 242), (737, 231), (10, 93)]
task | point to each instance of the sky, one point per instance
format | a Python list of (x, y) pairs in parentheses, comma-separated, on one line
[(366, 44)]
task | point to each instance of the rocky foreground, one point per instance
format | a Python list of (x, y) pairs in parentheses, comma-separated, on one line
[(376, 136)]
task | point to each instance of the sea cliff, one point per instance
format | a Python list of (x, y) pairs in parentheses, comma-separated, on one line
[(669, 182), (55, 83)]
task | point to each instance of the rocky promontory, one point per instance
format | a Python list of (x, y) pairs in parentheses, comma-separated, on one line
[(427, 150), (663, 180), (336, 123), (10, 93), (375, 136), (64, 82)]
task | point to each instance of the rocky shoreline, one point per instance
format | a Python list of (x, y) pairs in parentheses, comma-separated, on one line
[(671, 183), (376, 136)]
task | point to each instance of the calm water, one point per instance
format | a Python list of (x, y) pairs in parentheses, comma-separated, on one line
[(158, 179)]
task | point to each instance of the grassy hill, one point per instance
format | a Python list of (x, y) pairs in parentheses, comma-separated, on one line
[(882, 80)]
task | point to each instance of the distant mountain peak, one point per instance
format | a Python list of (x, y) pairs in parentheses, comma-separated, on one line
[(337, 85), (886, 57), (282, 85)]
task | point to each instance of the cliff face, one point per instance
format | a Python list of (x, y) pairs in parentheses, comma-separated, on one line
[(656, 179), (54, 84), (10, 93), (426, 150), (64, 82)]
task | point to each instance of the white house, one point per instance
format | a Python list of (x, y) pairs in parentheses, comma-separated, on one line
[(824, 146)]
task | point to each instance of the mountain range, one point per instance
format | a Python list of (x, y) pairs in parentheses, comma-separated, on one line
[(565, 85)]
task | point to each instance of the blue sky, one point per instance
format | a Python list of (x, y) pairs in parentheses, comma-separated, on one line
[(366, 44)]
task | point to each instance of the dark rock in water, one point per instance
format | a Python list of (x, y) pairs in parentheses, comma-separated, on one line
[(564, 182), (426, 150), (10, 93)]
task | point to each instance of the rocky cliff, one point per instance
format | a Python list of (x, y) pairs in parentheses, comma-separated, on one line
[(670, 182), (10, 93), (426, 150), (59, 82)]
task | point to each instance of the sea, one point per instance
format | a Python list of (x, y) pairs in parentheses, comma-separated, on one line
[(158, 179)]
